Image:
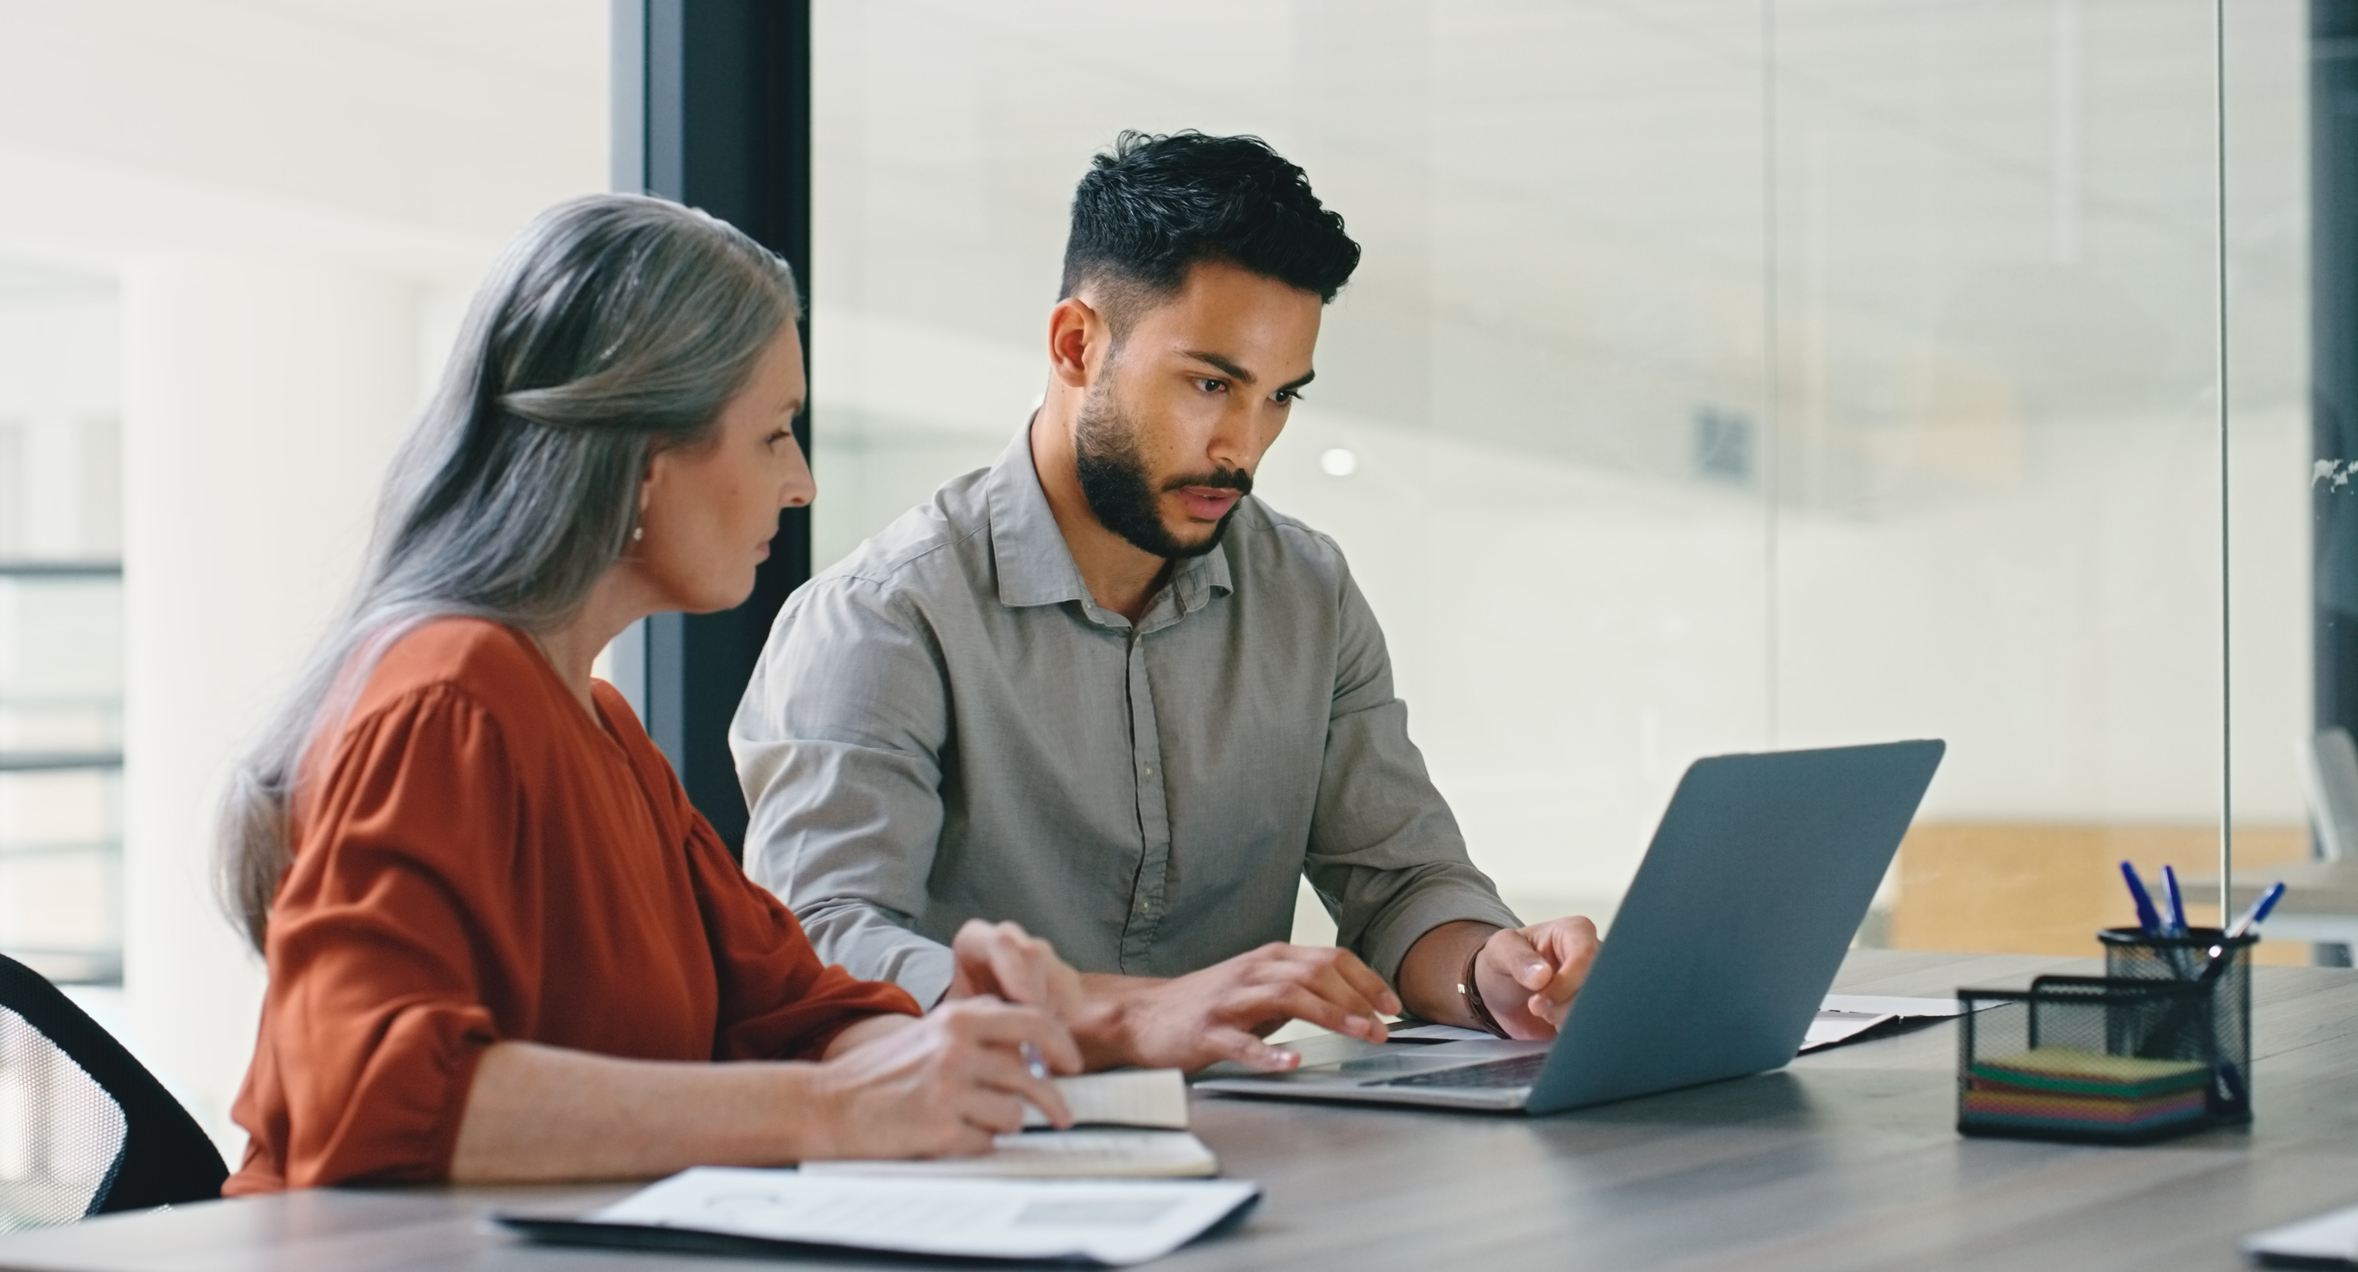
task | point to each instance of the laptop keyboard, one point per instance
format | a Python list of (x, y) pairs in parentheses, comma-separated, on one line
[(1514, 1071)]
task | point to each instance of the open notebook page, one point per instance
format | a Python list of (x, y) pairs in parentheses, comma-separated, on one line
[(1148, 1099)]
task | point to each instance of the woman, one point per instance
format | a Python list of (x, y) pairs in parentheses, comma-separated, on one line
[(502, 945)]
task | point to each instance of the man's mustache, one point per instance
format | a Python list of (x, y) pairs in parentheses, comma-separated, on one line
[(1235, 479)]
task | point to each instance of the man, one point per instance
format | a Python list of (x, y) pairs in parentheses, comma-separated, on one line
[(1102, 691)]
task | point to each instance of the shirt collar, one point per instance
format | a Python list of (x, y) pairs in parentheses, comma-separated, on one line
[(1197, 579), (1035, 564)]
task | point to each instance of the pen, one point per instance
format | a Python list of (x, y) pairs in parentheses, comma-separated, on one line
[(2150, 920), (2243, 927), (2177, 902), (2174, 925), (2147, 919), (2253, 917), (2229, 1076)]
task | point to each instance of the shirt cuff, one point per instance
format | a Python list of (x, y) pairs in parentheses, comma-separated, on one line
[(926, 973), (1386, 942)]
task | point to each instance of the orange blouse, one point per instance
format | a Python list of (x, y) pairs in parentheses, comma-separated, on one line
[(477, 860)]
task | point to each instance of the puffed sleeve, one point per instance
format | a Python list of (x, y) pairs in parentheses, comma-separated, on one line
[(406, 904)]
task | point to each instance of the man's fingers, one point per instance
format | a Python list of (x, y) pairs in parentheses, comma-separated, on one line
[(1328, 982), (1573, 945), (1022, 968), (1022, 978), (1059, 986), (1000, 955), (1510, 951), (1370, 986), (1298, 1003), (1251, 1052)]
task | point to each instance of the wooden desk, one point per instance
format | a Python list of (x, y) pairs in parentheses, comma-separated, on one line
[(1846, 1159)]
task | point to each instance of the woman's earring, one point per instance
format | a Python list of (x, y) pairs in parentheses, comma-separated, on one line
[(637, 533)]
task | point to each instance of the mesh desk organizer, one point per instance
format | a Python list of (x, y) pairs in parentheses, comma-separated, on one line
[(2158, 1046)]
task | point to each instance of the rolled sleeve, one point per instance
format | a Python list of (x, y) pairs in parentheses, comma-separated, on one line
[(838, 746), (378, 951), (1385, 852)]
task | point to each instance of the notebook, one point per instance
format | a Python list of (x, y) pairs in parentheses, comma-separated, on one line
[(1147, 1099), (1129, 1124)]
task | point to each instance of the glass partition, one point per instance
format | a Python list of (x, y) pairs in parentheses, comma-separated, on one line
[(2289, 206), (1999, 505), (1720, 375)]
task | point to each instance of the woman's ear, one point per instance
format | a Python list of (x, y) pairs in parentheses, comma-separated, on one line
[(649, 473)]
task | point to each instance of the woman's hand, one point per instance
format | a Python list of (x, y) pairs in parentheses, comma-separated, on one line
[(942, 1085)]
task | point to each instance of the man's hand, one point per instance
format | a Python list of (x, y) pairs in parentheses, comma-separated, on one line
[(1004, 961), (1224, 1011), (1528, 975)]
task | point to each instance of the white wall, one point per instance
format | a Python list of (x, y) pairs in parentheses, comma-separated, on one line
[(287, 195), (263, 397)]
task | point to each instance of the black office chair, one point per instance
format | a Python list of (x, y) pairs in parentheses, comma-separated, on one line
[(84, 1129)]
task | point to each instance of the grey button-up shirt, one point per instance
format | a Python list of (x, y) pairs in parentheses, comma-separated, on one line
[(946, 726)]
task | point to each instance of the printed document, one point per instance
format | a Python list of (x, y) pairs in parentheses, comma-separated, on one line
[(776, 1210)]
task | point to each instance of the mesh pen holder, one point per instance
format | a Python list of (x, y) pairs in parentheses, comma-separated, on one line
[(2222, 967), (2159, 1048)]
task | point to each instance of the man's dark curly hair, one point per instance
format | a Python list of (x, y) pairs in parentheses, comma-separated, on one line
[(1155, 205)]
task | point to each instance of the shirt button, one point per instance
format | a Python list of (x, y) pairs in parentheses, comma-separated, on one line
[(1147, 769)]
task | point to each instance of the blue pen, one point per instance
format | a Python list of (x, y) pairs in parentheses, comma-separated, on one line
[(2253, 917), (2229, 1076), (2147, 918), (2150, 921), (2177, 902), (2181, 960)]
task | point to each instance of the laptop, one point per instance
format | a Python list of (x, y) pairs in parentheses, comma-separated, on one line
[(1717, 960)]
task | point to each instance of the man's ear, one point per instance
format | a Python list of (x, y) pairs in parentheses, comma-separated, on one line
[(1077, 336)]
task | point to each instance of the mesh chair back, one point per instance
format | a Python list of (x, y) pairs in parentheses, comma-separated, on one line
[(84, 1128), (61, 1134)]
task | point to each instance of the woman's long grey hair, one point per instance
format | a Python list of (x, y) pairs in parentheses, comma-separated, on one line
[(613, 327)]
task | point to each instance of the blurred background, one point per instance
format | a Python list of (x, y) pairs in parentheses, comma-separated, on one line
[(1721, 374)]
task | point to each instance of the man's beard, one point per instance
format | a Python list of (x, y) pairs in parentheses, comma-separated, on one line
[(1124, 495)]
